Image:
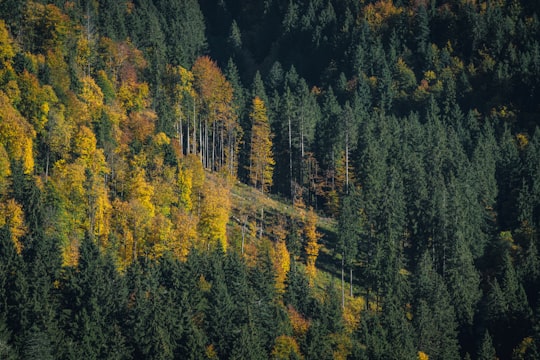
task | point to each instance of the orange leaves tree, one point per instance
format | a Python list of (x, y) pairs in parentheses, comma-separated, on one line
[(219, 128), (261, 158)]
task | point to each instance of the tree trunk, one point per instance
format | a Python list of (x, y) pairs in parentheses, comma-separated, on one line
[(290, 158), (351, 279)]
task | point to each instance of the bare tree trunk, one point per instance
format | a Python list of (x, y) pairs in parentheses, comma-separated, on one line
[(290, 158), (351, 279), (347, 162)]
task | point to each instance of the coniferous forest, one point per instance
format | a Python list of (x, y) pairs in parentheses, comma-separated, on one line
[(272, 179)]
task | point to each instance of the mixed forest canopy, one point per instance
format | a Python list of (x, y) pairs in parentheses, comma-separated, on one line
[(277, 179)]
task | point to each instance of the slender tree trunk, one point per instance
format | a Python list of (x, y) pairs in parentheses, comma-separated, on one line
[(351, 278), (347, 162), (290, 158), (213, 164), (262, 222)]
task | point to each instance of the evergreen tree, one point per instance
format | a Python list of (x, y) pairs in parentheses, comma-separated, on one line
[(434, 317)]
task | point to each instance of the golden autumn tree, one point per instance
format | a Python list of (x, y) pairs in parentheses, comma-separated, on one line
[(261, 158), (286, 348), (5, 171), (215, 209), (141, 211), (312, 245), (282, 257), (184, 108), (219, 145), (92, 96), (7, 51), (16, 134), (12, 216)]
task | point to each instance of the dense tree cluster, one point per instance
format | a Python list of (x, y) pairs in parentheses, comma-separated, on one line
[(412, 126)]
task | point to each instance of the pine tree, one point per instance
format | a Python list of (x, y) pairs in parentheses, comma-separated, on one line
[(486, 351)]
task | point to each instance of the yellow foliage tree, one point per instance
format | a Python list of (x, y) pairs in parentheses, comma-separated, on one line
[(185, 185), (312, 246), (184, 233), (5, 171), (16, 134), (12, 216), (220, 121), (286, 348), (7, 52), (215, 209), (92, 96), (261, 158), (282, 257)]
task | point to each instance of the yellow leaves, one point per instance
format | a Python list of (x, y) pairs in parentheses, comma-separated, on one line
[(28, 155), (185, 185), (5, 170), (215, 208), (422, 356), (185, 234), (261, 157), (183, 87), (92, 96), (141, 191), (286, 348), (282, 264), (381, 12), (522, 141), (352, 312), (300, 325), (16, 134), (7, 52), (312, 246), (85, 143), (525, 349), (86, 148), (48, 22), (12, 215), (134, 96)]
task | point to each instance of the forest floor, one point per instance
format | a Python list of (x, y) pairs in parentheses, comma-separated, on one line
[(250, 205)]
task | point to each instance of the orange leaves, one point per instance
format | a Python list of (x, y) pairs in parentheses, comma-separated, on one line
[(215, 91), (300, 325), (140, 126)]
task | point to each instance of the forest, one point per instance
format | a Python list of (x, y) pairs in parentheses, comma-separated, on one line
[(269, 179)]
